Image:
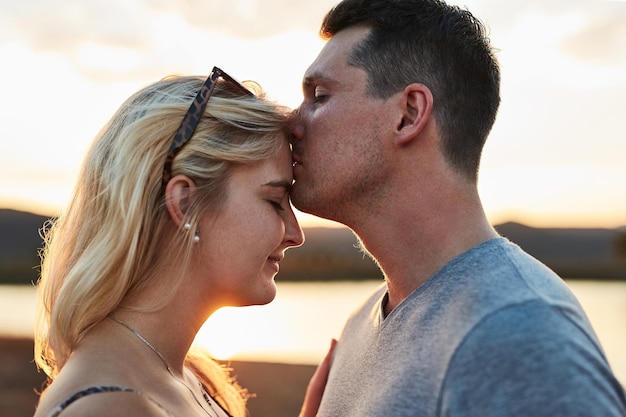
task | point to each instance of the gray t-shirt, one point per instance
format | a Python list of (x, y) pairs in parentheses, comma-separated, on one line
[(493, 333)]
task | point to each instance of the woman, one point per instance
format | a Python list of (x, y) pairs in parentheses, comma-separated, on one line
[(179, 210)]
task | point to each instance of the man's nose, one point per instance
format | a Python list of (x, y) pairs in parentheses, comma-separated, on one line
[(296, 127)]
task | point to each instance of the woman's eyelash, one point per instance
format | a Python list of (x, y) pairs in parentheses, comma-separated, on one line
[(276, 205)]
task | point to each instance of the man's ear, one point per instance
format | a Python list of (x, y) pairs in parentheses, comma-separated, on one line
[(178, 193), (416, 105)]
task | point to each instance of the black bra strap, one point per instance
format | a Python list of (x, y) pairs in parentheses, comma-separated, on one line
[(95, 390)]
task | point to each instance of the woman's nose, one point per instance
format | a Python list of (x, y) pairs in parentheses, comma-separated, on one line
[(294, 236)]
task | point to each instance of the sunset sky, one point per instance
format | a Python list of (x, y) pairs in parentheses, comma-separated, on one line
[(556, 157)]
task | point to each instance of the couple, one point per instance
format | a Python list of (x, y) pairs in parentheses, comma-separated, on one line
[(180, 210)]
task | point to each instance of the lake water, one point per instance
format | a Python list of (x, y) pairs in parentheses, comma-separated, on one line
[(298, 325)]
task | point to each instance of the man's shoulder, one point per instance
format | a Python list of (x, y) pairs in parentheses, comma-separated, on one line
[(534, 356), (529, 335)]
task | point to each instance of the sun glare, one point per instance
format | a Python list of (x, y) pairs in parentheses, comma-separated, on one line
[(239, 332), (211, 335), (294, 328)]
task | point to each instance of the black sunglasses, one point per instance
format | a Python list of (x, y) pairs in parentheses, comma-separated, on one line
[(192, 117)]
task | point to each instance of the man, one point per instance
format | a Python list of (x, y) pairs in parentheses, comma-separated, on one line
[(396, 110)]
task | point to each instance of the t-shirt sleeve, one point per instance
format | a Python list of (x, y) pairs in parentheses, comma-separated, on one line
[(530, 360)]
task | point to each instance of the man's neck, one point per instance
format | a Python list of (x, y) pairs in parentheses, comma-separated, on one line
[(414, 243)]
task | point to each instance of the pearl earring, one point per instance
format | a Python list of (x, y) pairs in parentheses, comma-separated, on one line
[(187, 227)]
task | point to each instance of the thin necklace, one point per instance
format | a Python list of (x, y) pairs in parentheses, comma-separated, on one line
[(169, 370)]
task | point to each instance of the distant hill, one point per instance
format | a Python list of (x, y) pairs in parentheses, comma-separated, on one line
[(333, 254), (328, 254), (573, 253), (19, 244)]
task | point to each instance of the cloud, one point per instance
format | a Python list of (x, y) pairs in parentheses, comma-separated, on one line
[(62, 26), (590, 31), (602, 39), (119, 41), (248, 19)]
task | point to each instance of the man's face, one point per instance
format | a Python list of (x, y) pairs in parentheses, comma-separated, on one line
[(338, 147)]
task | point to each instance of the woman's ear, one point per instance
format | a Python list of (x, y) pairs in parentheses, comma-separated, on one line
[(178, 193), (416, 105)]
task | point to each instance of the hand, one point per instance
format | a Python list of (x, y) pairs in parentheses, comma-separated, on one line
[(316, 386)]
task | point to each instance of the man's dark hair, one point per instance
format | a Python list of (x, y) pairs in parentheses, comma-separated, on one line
[(441, 46)]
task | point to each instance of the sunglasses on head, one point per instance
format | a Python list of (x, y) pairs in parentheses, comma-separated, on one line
[(193, 115)]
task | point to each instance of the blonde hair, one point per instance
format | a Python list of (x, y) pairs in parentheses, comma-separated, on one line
[(113, 236)]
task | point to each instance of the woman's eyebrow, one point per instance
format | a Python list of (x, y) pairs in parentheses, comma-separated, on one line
[(280, 183)]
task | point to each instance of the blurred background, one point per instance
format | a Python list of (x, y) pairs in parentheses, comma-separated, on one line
[(553, 176)]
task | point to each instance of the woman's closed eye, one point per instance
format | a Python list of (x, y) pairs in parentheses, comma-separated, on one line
[(278, 205)]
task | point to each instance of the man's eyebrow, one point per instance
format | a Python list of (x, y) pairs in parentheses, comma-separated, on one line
[(317, 77)]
